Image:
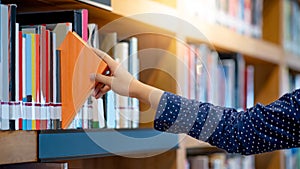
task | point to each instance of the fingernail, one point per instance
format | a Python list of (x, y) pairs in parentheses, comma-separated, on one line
[(93, 76)]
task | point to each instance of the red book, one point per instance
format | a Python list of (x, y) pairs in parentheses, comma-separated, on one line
[(20, 68), (37, 68)]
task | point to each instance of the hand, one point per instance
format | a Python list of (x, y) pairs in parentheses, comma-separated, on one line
[(123, 83), (120, 80)]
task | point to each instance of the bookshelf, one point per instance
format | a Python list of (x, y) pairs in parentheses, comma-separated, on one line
[(18, 146), (267, 55), (75, 145), (78, 144)]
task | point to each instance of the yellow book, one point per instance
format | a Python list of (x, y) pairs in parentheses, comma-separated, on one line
[(33, 75)]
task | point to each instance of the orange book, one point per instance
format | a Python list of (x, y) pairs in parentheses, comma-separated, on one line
[(78, 62)]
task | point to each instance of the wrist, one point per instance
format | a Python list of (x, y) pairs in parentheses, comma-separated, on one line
[(145, 93), (136, 89)]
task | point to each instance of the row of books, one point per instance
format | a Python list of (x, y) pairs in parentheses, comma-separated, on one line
[(120, 111), (243, 16), (223, 79), (291, 26), (35, 85), (220, 161)]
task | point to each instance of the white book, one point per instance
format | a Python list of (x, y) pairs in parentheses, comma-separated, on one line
[(229, 70), (23, 67), (107, 41), (101, 113), (110, 110), (12, 115), (54, 70), (17, 64), (202, 74), (61, 30), (134, 69), (5, 116), (192, 72), (93, 36), (1, 52), (122, 104), (212, 80), (250, 86), (18, 114), (4, 53), (85, 116)]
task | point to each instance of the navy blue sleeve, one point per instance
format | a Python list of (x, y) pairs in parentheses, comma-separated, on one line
[(258, 129)]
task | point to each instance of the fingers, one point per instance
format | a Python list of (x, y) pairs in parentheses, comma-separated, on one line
[(106, 80), (100, 91), (104, 56)]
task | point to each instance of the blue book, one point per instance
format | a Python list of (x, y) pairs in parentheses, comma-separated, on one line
[(28, 67), (110, 110)]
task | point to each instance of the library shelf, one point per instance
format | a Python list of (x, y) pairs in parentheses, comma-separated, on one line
[(58, 145), (216, 35), (79, 144), (18, 147)]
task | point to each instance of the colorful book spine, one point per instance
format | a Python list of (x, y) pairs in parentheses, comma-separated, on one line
[(23, 73), (4, 53), (12, 12), (122, 104), (28, 66)]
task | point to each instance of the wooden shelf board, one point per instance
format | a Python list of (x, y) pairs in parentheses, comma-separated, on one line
[(18, 146), (224, 38), (64, 145)]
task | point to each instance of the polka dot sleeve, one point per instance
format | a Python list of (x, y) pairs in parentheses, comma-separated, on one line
[(258, 129)]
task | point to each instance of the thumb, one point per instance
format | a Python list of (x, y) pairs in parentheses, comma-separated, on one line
[(101, 79)]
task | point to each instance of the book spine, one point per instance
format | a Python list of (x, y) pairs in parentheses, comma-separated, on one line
[(28, 115), (43, 121), (33, 66), (12, 115), (12, 11), (42, 65), (18, 126), (5, 116), (110, 111), (47, 66), (51, 66), (54, 70), (28, 66), (4, 48), (23, 73), (134, 63), (37, 108), (37, 68), (122, 105), (17, 63), (84, 24)]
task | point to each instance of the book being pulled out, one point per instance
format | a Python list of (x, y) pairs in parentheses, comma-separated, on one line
[(78, 62)]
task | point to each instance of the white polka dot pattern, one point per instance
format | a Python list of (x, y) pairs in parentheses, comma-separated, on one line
[(258, 129)]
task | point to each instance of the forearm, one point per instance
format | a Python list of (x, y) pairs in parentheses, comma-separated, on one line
[(259, 129), (145, 93)]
